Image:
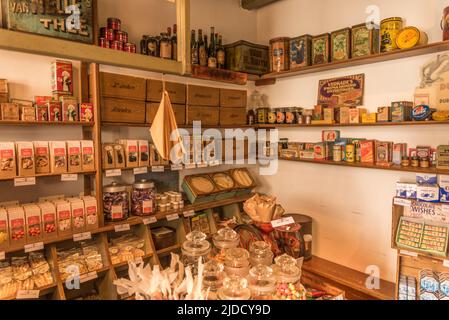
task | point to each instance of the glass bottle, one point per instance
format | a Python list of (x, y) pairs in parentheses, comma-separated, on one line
[(194, 49), (213, 276), (287, 275), (195, 247), (202, 49), (261, 283), (236, 262), (174, 43), (212, 60), (221, 54), (206, 49), (225, 238), (260, 254), (234, 288), (165, 46), (143, 45)]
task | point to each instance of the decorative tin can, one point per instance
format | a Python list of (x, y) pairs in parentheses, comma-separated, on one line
[(300, 51), (280, 116), (411, 37), (337, 154), (341, 44), (109, 34), (243, 56), (130, 47), (365, 40), (121, 36), (114, 23), (279, 54), (271, 117), (350, 153), (152, 46), (445, 24), (62, 77), (290, 115), (104, 43), (117, 45), (320, 49), (262, 115), (389, 30)]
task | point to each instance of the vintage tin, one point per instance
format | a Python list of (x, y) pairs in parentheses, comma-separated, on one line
[(121, 36), (290, 115), (86, 112), (337, 154), (104, 43), (365, 40), (271, 117), (152, 47), (114, 23), (389, 30), (401, 111), (421, 113), (280, 116), (330, 135), (300, 52), (279, 54), (243, 56), (70, 110), (262, 115), (320, 49), (62, 77), (42, 112), (130, 47), (383, 114), (117, 45), (108, 34), (54, 111), (445, 24), (384, 153), (410, 37), (350, 153), (341, 44)]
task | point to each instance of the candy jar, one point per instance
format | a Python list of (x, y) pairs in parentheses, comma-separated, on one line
[(213, 276), (260, 253), (195, 247), (225, 238), (236, 262), (261, 282), (115, 202), (287, 275), (143, 198), (234, 288)]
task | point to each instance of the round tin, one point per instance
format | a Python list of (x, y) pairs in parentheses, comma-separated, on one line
[(337, 154), (262, 115), (389, 30), (109, 34), (410, 37), (104, 43), (121, 36), (130, 47), (271, 117), (102, 32), (350, 153), (280, 116), (405, 162), (117, 45), (415, 162), (290, 115), (114, 23), (424, 163)]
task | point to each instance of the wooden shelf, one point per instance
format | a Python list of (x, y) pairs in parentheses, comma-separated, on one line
[(181, 126), (51, 175), (377, 124), (168, 249), (125, 263), (42, 291), (371, 166), (381, 57), (54, 47), (45, 123)]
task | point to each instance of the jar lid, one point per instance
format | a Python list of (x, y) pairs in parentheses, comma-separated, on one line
[(196, 244), (259, 248), (114, 187), (234, 288), (236, 255), (261, 279), (144, 184), (285, 269), (226, 238)]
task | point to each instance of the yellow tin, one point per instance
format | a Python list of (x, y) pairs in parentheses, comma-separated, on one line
[(411, 37), (350, 153), (389, 30)]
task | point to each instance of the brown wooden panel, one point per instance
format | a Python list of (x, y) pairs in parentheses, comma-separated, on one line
[(176, 91), (230, 116), (207, 115), (123, 110), (203, 96), (233, 98), (121, 86), (178, 109)]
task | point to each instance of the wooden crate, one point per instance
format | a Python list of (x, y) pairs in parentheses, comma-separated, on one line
[(233, 98), (120, 86), (178, 109), (232, 116), (176, 91), (123, 110), (208, 116), (203, 96)]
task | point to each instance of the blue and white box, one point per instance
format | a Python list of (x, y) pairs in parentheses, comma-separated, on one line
[(426, 178), (443, 181), (428, 193)]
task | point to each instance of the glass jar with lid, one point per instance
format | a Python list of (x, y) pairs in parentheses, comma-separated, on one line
[(213, 276), (165, 47), (287, 275), (115, 202), (195, 247), (234, 288), (261, 282), (237, 262), (260, 253), (143, 198), (225, 238)]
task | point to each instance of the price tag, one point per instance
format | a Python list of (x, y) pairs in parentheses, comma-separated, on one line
[(402, 202), (113, 173), (188, 214), (282, 222), (408, 253), (202, 165), (69, 177), (176, 167), (82, 236), (2, 255), (21, 182), (88, 276), (141, 170), (34, 247), (157, 169), (214, 163), (150, 220), (122, 227), (446, 263), (27, 294), (172, 217), (190, 166)]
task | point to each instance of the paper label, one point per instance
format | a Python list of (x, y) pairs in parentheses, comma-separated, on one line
[(282, 222), (88, 276), (2, 255), (446, 263), (150, 220), (122, 227), (157, 169), (113, 173), (21, 182), (172, 217), (147, 206), (141, 170), (176, 167), (402, 202), (202, 165), (82, 236), (190, 166), (408, 253), (34, 247), (189, 213), (27, 294), (69, 177)]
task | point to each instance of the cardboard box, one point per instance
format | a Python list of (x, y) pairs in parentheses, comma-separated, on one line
[(356, 114), (383, 114), (91, 212), (78, 215), (58, 157), (42, 156), (121, 86), (369, 117), (10, 112), (330, 135), (329, 114), (25, 159), (131, 152), (16, 218), (428, 193), (119, 156), (87, 156), (74, 156), (86, 112), (401, 111), (367, 151), (49, 220), (203, 96), (443, 157), (123, 110), (383, 153), (4, 230), (344, 115), (64, 217), (7, 160), (443, 182), (108, 156), (70, 109), (33, 223), (27, 113), (317, 112), (144, 153), (209, 116), (176, 91), (62, 77), (426, 179), (233, 98)]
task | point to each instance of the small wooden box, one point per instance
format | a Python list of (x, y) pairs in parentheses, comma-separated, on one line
[(176, 91), (123, 110), (232, 116), (233, 98), (120, 86), (203, 96), (178, 109), (208, 116)]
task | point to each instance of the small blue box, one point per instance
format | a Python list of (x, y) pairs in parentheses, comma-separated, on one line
[(443, 181), (426, 178)]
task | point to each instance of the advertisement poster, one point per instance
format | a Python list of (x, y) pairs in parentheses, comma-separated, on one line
[(342, 92)]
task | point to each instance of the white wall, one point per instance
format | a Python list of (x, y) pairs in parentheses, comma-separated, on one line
[(351, 207)]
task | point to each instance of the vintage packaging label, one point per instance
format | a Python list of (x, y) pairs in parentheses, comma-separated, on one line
[(90, 208), (144, 153), (25, 159), (74, 156), (87, 154), (48, 212), (62, 77), (10, 112), (86, 112), (16, 217), (58, 157), (64, 215), (54, 111), (33, 223), (70, 112), (42, 156)]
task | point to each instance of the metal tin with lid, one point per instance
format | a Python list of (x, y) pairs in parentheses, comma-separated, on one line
[(280, 115), (389, 30), (410, 37)]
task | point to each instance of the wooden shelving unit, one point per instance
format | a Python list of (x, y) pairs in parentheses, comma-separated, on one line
[(45, 123), (43, 175), (377, 124)]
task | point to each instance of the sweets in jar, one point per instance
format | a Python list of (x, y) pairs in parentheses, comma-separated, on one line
[(287, 275), (234, 288), (226, 238), (143, 198), (194, 248), (115, 202)]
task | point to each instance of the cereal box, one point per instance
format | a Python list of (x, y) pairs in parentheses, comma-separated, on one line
[(7, 160), (74, 156), (33, 223), (62, 77), (42, 156), (49, 220), (58, 157), (87, 155), (25, 159), (87, 112)]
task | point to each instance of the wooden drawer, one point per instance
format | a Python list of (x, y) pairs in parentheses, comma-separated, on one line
[(232, 116), (120, 86), (176, 91), (207, 115), (122, 110), (233, 98), (178, 109), (203, 96)]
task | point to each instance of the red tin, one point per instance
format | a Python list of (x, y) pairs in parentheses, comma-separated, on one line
[(114, 23)]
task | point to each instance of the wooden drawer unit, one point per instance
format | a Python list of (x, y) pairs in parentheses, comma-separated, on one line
[(122, 110), (203, 96), (207, 115), (233, 98), (176, 91), (232, 116), (178, 109), (120, 86)]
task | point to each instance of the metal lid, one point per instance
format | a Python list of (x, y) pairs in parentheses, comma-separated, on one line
[(144, 184), (114, 187)]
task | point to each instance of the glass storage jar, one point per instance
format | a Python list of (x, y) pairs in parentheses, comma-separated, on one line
[(225, 238), (115, 202), (234, 288), (143, 198), (195, 247), (236, 262), (213, 276), (287, 275), (260, 254), (261, 282)]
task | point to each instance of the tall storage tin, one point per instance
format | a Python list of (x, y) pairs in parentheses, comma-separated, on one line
[(389, 30), (300, 52), (365, 40), (279, 54)]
